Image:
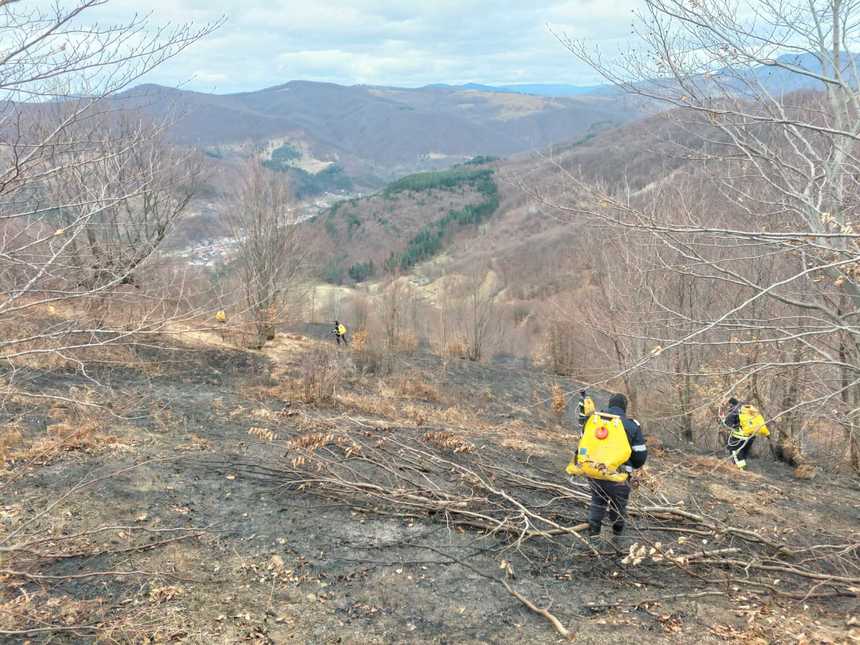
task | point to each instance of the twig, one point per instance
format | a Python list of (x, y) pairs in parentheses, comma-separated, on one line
[(51, 629), (78, 576), (556, 623), (77, 488), (131, 549), (651, 601)]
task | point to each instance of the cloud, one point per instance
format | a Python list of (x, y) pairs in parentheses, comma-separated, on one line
[(384, 42)]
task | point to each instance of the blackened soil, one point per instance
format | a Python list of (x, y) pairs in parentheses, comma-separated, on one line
[(276, 564)]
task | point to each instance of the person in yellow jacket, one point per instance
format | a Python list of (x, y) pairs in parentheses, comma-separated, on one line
[(609, 493), (339, 332), (745, 422)]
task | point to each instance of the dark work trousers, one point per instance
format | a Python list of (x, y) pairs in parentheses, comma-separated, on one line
[(742, 445), (607, 496)]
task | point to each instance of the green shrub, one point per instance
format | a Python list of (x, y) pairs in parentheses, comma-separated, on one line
[(282, 158), (361, 271)]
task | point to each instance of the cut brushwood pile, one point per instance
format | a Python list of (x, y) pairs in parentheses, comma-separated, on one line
[(411, 474)]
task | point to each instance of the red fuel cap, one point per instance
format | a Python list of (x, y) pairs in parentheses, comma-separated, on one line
[(601, 433)]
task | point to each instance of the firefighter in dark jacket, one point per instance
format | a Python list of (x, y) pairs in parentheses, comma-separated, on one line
[(611, 496)]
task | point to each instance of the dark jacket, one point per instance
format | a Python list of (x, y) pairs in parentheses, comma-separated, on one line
[(733, 418), (634, 436)]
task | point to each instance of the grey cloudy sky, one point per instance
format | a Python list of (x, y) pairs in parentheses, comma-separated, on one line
[(392, 42)]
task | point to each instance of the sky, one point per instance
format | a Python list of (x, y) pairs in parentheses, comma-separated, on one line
[(404, 43)]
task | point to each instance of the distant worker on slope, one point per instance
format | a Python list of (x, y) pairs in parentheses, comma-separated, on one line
[(745, 422), (339, 332), (611, 447)]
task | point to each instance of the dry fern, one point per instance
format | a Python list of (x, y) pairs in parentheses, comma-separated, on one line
[(262, 434), (448, 441), (559, 400)]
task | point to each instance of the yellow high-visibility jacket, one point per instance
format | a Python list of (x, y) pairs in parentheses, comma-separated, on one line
[(750, 422)]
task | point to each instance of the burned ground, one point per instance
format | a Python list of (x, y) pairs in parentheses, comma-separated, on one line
[(243, 509)]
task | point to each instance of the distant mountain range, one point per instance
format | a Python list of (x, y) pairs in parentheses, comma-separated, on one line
[(379, 133), (775, 78), (779, 80), (365, 136), (536, 89)]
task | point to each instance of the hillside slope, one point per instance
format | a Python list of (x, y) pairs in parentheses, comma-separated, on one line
[(386, 131), (230, 503), (529, 263), (519, 233)]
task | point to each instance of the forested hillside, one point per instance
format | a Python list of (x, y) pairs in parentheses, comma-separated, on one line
[(410, 221)]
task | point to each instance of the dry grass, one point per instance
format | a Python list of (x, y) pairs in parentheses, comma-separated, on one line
[(81, 435), (195, 443), (558, 400), (515, 436), (805, 471), (372, 404), (414, 386), (407, 342), (390, 403), (456, 349), (646, 479), (358, 342), (11, 437), (369, 355), (263, 434), (319, 377), (533, 440), (39, 325), (655, 446), (372, 360)]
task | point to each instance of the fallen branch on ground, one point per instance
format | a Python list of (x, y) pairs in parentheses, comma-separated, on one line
[(399, 472)]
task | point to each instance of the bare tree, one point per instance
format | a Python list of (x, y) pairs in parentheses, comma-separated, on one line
[(270, 256), (87, 194), (477, 316), (160, 181), (783, 168)]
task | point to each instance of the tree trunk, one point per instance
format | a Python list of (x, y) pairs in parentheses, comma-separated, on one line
[(852, 433), (787, 446)]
